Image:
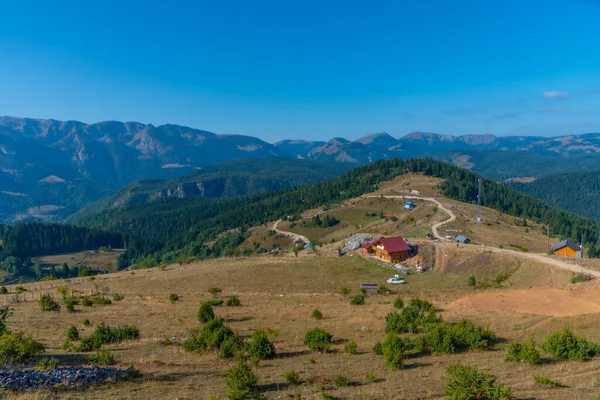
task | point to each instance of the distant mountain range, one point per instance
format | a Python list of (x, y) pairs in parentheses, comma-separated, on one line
[(50, 169)]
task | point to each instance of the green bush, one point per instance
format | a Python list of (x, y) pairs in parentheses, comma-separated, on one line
[(214, 291), (452, 338), (87, 302), (327, 396), (292, 377), (101, 301), (206, 313), (3, 290), (410, 320), (20, 289), (215, 335), (216, 302), (233, 301), (318, 340), (371, 378), (382, 289), (378, 349), (260, 347), (465, 382), (566, 346), (472, 281), (72, 333), (48, 303), (526, 353), (399, 303), (241, 382), (358, 300), (173, 297), (18, 348), (341, 380), (393, 349), (350, 348), (48, 363), (544, 380), (344, 291), (316, 314), (5, 312), (118, 297), (86, 322), (101, 357), (230, 346), (70, 303), (104, 334)]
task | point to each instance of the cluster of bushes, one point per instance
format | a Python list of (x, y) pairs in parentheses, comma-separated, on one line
[(47, 303), (465, 382), (103, 334), (526, 353), (215, 335), (566, 346), (448, 338), (412, 318), (318, 340)]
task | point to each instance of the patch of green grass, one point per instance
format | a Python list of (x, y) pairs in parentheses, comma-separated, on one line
[(544, 380)]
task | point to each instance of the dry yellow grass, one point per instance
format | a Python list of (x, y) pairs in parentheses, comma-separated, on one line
[(279, 293)]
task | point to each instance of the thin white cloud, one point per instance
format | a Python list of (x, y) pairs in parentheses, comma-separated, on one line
[(556, 95)]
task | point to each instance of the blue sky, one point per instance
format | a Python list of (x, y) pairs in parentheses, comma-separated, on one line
[(309, 69)]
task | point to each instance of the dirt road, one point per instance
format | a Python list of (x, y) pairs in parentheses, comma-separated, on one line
[(294, 236)]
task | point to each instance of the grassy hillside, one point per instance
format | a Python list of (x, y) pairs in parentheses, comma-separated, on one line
[(237, 178), (278, 294), (578, 192)]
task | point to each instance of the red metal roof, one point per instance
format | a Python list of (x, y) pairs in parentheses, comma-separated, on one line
[(389, 215), (366, 246), (393, 244)]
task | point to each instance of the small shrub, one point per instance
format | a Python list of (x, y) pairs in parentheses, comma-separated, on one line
[(18, 348), (344, 291), (48, 363), (101, 301), (86, 322), (70, 303), (318, 340), (382, 289), (316, 314), (87, 302), (173, 297), (327, 396), (371, 378), (472, 281), (452, 338), (101, 357), (393, 349), (544, 380), (526, 353), (48, 303), (566, 346), (272, 333), (216, 302), (206, 313), (72, 333), (350, 348), (358, 300), (104, 334), (241, 382), (465, 382), (230, 346), (260, 347), (233, 301), (118, 297), (63, 291), (292, 377), (67, 345), (398, 303), (502, 277), (581, 278), (378, 349), (3, 290), (162, 266), (214, 291), (341, 381), (20, 289)]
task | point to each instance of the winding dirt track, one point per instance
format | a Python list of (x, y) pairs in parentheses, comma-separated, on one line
[(293, 235)]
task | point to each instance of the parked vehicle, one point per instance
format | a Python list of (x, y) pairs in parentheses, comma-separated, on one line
[(396, 280)]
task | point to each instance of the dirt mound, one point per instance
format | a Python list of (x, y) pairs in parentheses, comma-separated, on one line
[(551, 302), (416, 260)]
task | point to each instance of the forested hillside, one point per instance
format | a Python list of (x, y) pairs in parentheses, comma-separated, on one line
[(236, 178), (578, 192), (21, 242), (185, 226)]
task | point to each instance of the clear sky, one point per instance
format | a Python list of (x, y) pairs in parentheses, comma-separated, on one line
[(307, 69)]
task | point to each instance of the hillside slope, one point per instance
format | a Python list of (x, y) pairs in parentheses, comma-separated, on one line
[(578, 192), (236, 178)]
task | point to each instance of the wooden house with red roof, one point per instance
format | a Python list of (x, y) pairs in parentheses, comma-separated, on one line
[(392, 249)]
